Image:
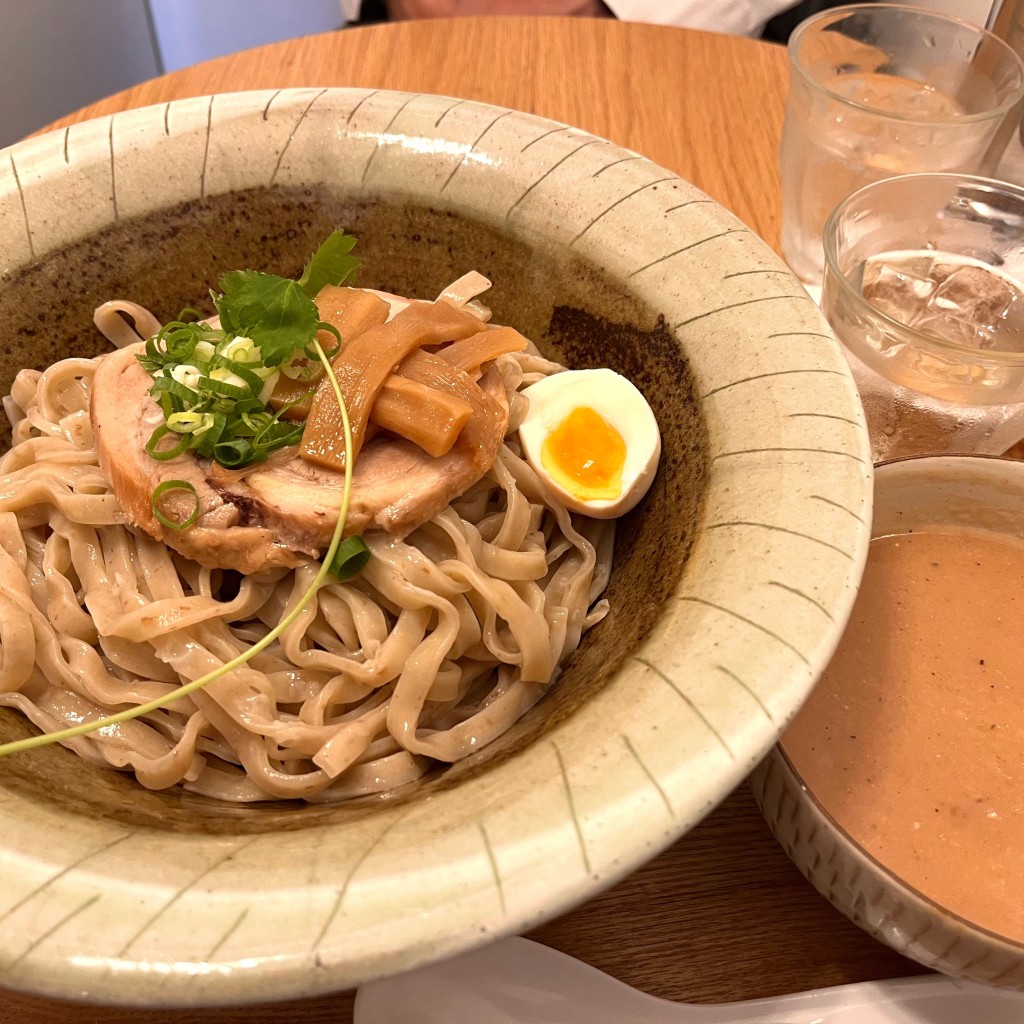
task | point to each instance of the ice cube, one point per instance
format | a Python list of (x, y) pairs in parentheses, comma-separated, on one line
[(901, 291), (948, 296), (973, 294), (1008, 334), (954, 329)]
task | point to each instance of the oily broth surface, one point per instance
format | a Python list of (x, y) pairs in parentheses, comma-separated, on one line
[(170, 259)]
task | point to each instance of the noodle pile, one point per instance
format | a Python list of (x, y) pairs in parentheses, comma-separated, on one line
[(442, 643)]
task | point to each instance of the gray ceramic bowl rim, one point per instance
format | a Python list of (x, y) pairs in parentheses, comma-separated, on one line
[(751, 623)]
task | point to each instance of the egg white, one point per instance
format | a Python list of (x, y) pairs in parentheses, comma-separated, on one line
[(621, 405)]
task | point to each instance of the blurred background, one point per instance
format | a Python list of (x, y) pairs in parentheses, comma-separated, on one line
[(58, 55)]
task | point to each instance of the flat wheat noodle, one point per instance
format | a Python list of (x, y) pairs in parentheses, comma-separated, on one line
[(443, 642)]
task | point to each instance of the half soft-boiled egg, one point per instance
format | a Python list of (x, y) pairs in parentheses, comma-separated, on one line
[(593, 439)]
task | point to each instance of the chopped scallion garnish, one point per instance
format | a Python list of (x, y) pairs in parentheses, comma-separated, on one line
[(213, 384), (167, 452), (350, 559), (234, 453), (188, 422), (167, 487)]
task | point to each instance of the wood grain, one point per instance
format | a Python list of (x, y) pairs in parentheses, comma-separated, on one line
[(722, 915), (706, 106)]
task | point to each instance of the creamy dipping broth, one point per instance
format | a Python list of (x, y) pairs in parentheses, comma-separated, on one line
[(913, 741)]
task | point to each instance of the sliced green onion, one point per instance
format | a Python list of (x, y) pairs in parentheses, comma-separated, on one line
[(176, 341), (233, 454), (209, 438), (222, 387), (185, 422), (220, 368), (165, 488), (186, 374), (204, 352), (323, 325), (350, 559), (177, 389), (240, 350), (167, 402), (262, 644), (249, 375), (277, 430), (301, 367), (252, 422), (267, 391), (183, 444), (208, 421)]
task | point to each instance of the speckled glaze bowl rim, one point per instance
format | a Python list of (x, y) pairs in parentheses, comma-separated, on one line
[(751, 622), (930, 466)]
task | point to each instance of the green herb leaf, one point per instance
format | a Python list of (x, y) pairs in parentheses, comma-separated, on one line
[(275, 312), (330, 264), (350, 559)]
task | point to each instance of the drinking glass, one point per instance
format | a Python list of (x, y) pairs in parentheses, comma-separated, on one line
[(922, 287), (883, 89)]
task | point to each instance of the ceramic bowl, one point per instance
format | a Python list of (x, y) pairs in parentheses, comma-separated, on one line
[(732, 579), (987, 493)]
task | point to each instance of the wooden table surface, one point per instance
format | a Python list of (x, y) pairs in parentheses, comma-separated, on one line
[(722, 915)]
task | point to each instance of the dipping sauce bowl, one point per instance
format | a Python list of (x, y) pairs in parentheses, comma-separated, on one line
[(897, 789)]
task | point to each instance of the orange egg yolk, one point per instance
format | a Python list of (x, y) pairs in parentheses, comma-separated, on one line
[(585, 455)]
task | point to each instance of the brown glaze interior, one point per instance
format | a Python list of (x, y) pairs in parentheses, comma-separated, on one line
[(170, 259)]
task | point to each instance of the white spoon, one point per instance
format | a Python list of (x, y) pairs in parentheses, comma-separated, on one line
[(516, 981)]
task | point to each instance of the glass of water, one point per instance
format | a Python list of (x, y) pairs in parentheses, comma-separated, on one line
[(881, 89), (924, 286)]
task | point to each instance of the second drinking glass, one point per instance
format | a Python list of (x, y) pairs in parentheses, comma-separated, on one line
[(923, 286)]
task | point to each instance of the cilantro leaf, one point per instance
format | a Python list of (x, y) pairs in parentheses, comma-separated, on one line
[(330, 264), (280, 315), (275, 312)]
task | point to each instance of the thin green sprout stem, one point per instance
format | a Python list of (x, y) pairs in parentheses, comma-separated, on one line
[(17, 746)]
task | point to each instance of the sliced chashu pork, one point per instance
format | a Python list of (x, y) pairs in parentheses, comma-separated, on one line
[(275, 513)]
